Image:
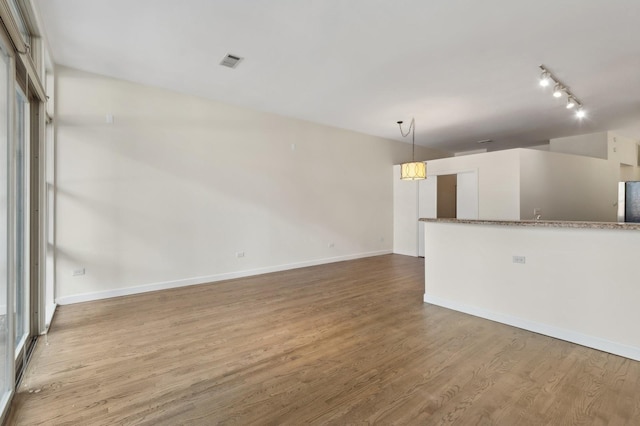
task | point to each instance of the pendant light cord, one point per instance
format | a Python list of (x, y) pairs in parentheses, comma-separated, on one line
[(412, 128)]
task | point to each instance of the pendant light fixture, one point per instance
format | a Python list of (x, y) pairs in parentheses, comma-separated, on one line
[(415, 170)]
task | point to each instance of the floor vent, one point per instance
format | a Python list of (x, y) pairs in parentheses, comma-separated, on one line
[(230, 61)]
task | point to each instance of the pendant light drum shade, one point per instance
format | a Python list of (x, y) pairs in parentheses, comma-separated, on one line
[(413, 171)]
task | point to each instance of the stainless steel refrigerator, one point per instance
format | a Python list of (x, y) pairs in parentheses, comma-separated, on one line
[(629, 202)]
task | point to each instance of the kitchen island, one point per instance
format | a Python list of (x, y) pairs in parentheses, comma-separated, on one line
[(576, 281)]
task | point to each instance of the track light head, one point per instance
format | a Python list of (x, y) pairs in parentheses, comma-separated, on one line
[(557, 91), (545, 79), (571, 102), (580, 113)]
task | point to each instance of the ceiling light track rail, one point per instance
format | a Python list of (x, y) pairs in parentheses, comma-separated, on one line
[(547, 79)]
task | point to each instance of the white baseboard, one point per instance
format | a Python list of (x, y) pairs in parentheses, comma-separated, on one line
[(106, 294), (546, 329)]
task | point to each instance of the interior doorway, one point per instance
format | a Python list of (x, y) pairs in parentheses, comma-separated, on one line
[(446, 203)]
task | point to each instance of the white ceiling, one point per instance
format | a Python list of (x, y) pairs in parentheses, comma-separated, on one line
[(466, 69)]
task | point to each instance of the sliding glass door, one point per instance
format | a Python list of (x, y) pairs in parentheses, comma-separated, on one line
[(22, 300), (16, 312), (7, 346), (22, 130)]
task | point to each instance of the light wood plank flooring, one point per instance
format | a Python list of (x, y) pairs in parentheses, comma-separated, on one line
[(345, 343)]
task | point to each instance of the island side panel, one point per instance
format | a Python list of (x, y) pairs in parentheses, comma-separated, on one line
[(580, 285)]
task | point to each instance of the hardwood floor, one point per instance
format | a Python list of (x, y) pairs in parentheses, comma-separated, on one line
[(345, 343)]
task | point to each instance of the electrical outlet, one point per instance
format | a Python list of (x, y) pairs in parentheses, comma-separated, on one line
[(519, 259), (239, 254), (77, 272), (331, 245), (537, 213)]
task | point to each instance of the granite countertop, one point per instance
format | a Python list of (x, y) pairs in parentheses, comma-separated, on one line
[(542, 223)]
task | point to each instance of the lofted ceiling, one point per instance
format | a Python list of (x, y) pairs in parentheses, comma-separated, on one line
[(466, 69)]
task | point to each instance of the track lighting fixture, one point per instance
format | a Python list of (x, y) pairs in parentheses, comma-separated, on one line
[(546, 78)]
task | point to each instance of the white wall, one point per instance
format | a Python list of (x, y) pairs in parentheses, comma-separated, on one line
[(411, 201), (625, 150), (567, 187), (405, 214), (628, 173), (512, 183), (591, 145), (470, 152), (543, 147), (168, 193), (498, 180), (467, 195), (622, 150), (427, 192), (579, 285), (612, 146)]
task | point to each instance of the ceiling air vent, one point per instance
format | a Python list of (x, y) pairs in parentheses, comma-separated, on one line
[(230, 61)]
